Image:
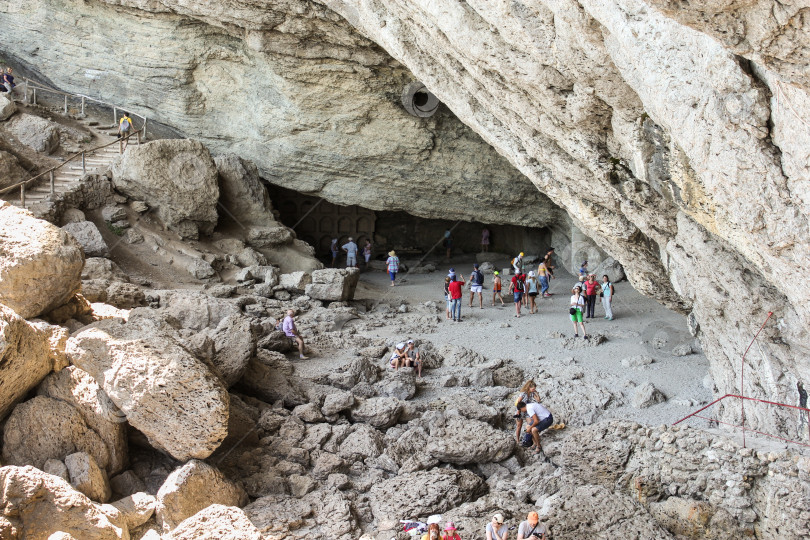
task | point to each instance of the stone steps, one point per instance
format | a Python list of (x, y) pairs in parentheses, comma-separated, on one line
[(69, 175)]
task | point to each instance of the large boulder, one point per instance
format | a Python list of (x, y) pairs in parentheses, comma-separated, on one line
[(177, 177), (217, 522), (7, 108), (333, 284), (40, 264), (39, 505), (269, 376), (241, 192), (28, 352), (419, 494), (10, 170), (463, 441), (164, 392), (77, 389), (192, 488), (295, 281), (43, 428), (136, 509), (37, 133), (89, 237), (380, 412)]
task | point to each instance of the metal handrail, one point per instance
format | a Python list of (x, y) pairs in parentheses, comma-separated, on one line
[(745, 398), (28, 84), (22, 185)]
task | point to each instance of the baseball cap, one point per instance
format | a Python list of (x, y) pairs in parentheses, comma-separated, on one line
[(475, 265), (400, 345), (497, 273), (410, 341), (498, 518)]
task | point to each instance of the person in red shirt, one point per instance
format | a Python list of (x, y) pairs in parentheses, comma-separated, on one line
[(516, 287), (455, 296), (592, 288)]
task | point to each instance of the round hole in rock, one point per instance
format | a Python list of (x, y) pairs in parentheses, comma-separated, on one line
[(420, 99)]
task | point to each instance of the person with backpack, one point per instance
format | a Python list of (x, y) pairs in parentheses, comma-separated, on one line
[(517, 287), (392, 263), (532, 289), (517, 264), (576, 308), (607, 297), (540, 419), (497, 286), (124, 126), (531, 529), (477, 286)]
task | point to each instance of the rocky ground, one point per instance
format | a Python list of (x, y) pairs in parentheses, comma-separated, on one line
[(146, 393)]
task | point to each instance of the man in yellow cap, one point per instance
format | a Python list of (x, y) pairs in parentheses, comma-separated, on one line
[(517, 264)]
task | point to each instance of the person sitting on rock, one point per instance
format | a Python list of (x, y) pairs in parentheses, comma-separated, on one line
[(496, 530), (433, 532), (531, 529), (399, 357), (450, 532), (413, 359), (540, 419), (291, 331)]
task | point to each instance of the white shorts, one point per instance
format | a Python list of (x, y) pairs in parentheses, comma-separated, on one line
[(476, 288), (351, 260)]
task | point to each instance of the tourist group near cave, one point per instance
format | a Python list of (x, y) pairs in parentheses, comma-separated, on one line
[(525, 288)]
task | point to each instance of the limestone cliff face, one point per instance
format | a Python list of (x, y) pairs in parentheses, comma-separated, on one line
[(288, 85), (674, 134)]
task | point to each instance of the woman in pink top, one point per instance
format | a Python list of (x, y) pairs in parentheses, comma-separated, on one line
[(592, 288)]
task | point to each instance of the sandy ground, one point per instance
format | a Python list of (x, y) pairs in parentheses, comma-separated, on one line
[(640, 327)]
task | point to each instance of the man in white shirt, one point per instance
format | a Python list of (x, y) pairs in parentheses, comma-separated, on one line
[(539, 419), (351, 253)]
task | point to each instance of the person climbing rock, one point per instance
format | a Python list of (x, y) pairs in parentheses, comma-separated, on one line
[(528, 394), (291, 331), (540, 419)]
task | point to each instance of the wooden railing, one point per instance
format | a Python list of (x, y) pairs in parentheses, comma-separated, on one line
[(83, 154), (31, 88)]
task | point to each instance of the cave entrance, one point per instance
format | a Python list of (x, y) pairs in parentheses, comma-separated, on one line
[(317, 221)]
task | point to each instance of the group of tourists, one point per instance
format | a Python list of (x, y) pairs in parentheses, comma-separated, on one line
[(406, 355), (496, 529), (583, 298), (351, 249)]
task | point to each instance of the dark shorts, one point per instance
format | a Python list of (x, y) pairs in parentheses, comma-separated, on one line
[(533, 294), (518, 296), (544, 424)]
